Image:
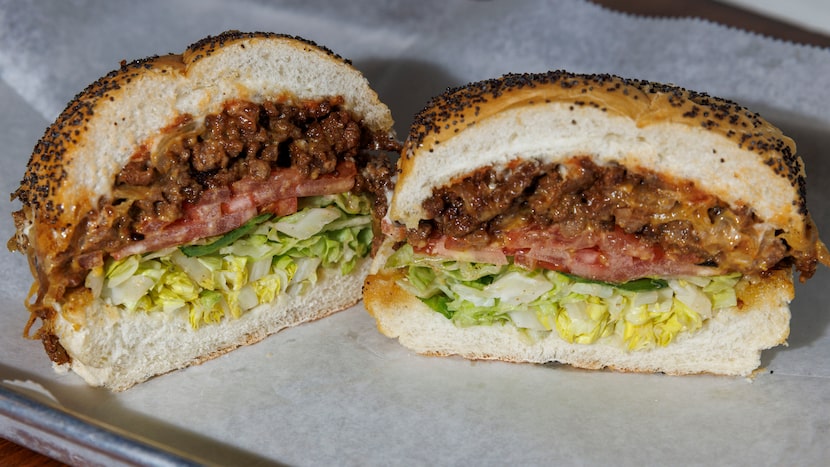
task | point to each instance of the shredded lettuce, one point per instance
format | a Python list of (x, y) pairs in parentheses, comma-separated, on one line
[(643, 313), (226, 276)]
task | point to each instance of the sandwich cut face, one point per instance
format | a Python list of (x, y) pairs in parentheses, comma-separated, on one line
[(624, 209), (225, 177)]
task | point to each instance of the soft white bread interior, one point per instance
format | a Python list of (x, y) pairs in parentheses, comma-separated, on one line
[(730, 343), (117, 349), (725, 149)]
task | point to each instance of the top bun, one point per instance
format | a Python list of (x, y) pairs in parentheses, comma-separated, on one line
[(723, 148), (75, 164)]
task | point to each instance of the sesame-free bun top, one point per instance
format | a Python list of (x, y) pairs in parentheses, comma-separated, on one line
[(722, 147), (75, 164)]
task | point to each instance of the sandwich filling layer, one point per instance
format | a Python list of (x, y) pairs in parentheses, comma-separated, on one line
[(207, 178), (600, 222), (584, 250), (228, 275)]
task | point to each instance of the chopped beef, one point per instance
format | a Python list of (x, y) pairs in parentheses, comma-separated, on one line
[(579, 198)]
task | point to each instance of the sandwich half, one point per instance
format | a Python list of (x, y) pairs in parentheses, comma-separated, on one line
[(184, 205), (594, 221)]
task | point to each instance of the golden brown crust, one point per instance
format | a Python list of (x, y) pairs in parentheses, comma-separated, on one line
[(645, 102), (381, 290)]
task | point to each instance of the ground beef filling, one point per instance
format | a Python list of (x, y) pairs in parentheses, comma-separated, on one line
[(245, 140), (579, 197)]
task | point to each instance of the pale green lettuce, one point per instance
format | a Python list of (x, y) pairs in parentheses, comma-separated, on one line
[(643, 313), (226, 276)]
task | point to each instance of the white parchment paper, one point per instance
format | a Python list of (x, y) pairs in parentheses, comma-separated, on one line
[(336, 391)]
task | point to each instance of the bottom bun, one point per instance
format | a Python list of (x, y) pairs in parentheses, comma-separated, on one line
[(730, 343), (117, 349)]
